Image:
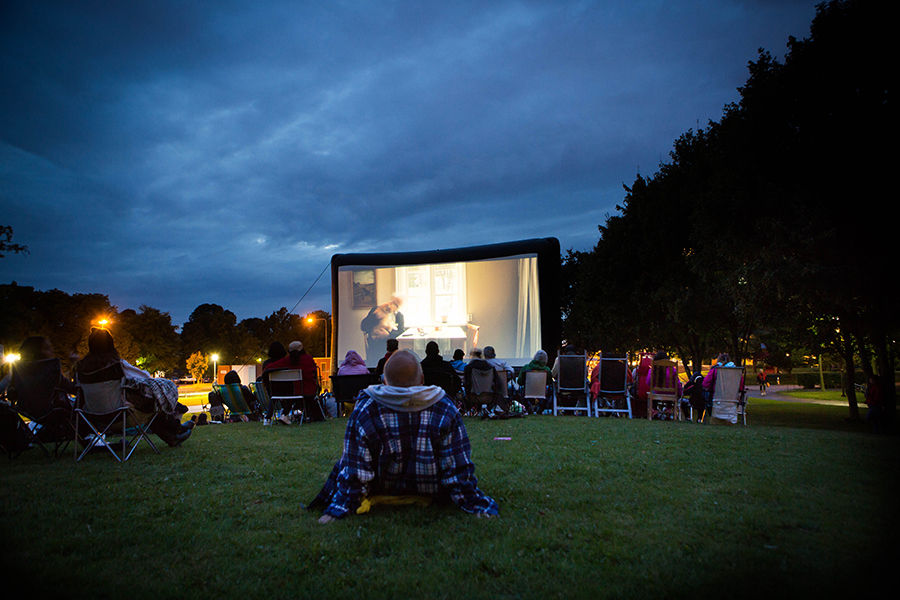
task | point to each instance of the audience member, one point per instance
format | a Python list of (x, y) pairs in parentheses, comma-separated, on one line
[(458, 363), (434, 363), (392, 346), (276, 352), (693, 391), (353, 364), (709, 382), (498, 363), (538, 363), (144, 393), (477, 362), (35, 370), (297, 358), (403, 438), (216, 402)]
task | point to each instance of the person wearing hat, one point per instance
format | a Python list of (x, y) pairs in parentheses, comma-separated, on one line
[(298, 358), (498, 363)]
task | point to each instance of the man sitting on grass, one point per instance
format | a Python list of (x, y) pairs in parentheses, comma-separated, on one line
[(403, 438)]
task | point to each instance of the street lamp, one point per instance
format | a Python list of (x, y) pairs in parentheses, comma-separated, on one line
[(310, 320), (215, 359)]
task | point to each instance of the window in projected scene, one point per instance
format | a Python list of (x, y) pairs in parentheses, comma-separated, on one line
[(434, 294)]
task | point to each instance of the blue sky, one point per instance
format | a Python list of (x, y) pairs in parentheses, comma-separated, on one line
[(181, 153)]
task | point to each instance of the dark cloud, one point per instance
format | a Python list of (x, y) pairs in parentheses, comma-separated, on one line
[(179, 153)]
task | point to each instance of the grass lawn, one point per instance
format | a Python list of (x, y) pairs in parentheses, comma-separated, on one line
[(799, 503)]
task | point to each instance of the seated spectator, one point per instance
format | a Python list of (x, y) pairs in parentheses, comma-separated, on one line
[(594, 379), (458, 364), (568, 350), (693, 391), (391, 344), (31, 368), (276, 352), (538, 363), (403, 438), (499, 364), (217, 404), (143, 393), (298, 358), (477, 362), (434, 363), (353, 364), (709, 382)]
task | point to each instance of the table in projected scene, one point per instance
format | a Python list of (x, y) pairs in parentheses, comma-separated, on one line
[(448, 339)]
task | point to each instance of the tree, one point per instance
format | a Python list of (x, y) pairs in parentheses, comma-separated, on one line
[(6, 244), (197, 365), (210, 329), (155, 337)]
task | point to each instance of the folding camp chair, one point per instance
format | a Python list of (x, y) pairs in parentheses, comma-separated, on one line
[(267, 406), (613, 397), (663, 390), (346, 388), (484, 390), (727, 395), (535, 387), (282, 386), (44, 411), (103, 409), (442, 379), (233, 398), (571, 385)]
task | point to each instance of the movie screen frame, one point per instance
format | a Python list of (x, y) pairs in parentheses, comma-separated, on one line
[(503, 295)]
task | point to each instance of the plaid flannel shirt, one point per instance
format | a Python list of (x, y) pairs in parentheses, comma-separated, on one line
[(391, 452)]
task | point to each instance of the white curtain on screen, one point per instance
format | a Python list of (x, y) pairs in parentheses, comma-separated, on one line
[(528, 334)]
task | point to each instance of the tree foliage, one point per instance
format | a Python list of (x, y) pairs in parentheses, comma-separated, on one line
[(765, 221), (6, 243), (197, 365)]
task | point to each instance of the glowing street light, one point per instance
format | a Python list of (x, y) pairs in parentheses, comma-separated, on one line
[(310, 320), (215, 359)]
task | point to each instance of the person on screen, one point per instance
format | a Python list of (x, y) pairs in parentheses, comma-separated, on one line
[(385, 320), (404, 441)]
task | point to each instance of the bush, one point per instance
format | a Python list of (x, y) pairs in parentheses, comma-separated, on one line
[(832, 379)]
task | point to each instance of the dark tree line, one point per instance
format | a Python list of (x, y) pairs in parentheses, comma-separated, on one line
[(773, 223), (147, 337)]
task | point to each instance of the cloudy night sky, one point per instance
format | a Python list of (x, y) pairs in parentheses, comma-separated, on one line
[(181, 153)]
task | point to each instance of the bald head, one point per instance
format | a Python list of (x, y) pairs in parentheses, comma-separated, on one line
[(403, 370)]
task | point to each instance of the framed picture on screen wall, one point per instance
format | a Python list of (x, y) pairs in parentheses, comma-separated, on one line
[(364, 288)]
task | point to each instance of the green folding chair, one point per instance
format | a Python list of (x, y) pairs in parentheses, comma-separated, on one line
[(267, 405), (233, 398)]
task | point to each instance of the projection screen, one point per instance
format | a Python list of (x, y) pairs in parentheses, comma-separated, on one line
[(501, 295)]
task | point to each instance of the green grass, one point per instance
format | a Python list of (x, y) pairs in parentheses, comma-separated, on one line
[(799, 502), (829, 395)]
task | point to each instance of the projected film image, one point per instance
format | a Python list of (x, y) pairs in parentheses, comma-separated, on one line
[(458, 305)]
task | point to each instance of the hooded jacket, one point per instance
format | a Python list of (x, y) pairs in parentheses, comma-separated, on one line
[(405, 399)]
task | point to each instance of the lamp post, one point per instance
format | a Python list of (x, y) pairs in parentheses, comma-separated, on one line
[(215, 359), (310, 320)]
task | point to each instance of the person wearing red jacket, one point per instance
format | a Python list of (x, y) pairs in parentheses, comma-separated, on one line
[(297, 358)]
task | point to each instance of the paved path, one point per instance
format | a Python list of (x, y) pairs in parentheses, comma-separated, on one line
[(773, 393)]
